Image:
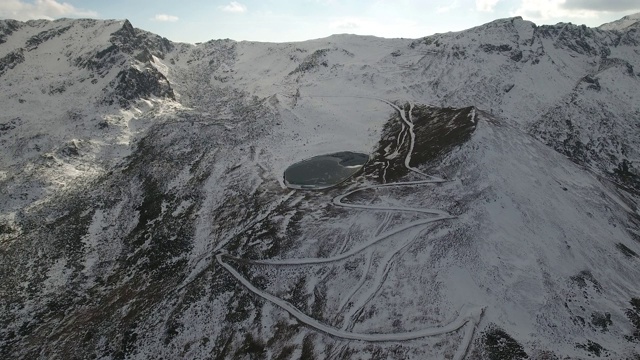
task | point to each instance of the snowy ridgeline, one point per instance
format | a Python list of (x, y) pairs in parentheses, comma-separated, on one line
[(144, 210)]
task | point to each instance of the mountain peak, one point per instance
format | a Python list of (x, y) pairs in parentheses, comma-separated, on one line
[(508, 20), (126, 25)]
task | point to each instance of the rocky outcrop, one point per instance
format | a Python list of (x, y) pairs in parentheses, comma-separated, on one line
[(7, 27), (33, 42), (133, 84), (10, 61)]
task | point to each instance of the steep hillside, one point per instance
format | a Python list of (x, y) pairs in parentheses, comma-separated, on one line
[(143, 212), (68, 89)]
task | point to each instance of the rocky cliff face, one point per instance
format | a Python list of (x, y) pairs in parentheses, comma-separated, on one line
[(143, 212)]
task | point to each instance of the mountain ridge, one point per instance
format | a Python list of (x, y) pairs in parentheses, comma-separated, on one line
[(623, 23)]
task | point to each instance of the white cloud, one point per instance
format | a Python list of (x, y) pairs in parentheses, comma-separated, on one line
[(347, 23), (447, 8), (391, 27), (543, 10), (486, 5), (234, 7), (165, 18), (40, 9)]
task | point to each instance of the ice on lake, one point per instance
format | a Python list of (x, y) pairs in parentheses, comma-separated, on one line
[(324, 171)]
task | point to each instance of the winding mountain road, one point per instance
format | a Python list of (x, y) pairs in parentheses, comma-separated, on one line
[(467, 319)]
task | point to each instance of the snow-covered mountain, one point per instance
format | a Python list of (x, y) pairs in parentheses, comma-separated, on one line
[(622, 24), (143, 212)]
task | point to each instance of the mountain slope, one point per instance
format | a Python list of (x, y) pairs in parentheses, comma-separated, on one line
[(622, 24), (67, 89), (145, 214)]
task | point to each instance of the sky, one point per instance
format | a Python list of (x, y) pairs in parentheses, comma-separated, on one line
[(195, 21)]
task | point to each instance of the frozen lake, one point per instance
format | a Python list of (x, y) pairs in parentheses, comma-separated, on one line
[(324, 171)]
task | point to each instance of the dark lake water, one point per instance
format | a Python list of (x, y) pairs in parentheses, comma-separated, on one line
[(324, 171)]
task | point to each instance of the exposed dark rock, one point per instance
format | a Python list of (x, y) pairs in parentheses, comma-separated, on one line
[(71, 149), (126, 42), (631, 37), (634, 316), (312, 61), (489, 48), (430, 123), (132, 84), (592, 347), (498, 345), (626, 251), (10, 60), (614, 62), (7, 27), (429, 40), (601, 320), (580, 39), (103, 61), (628, 175), (140, 43), (594, 83), (5, 127), (584, 278), (34, 41)]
